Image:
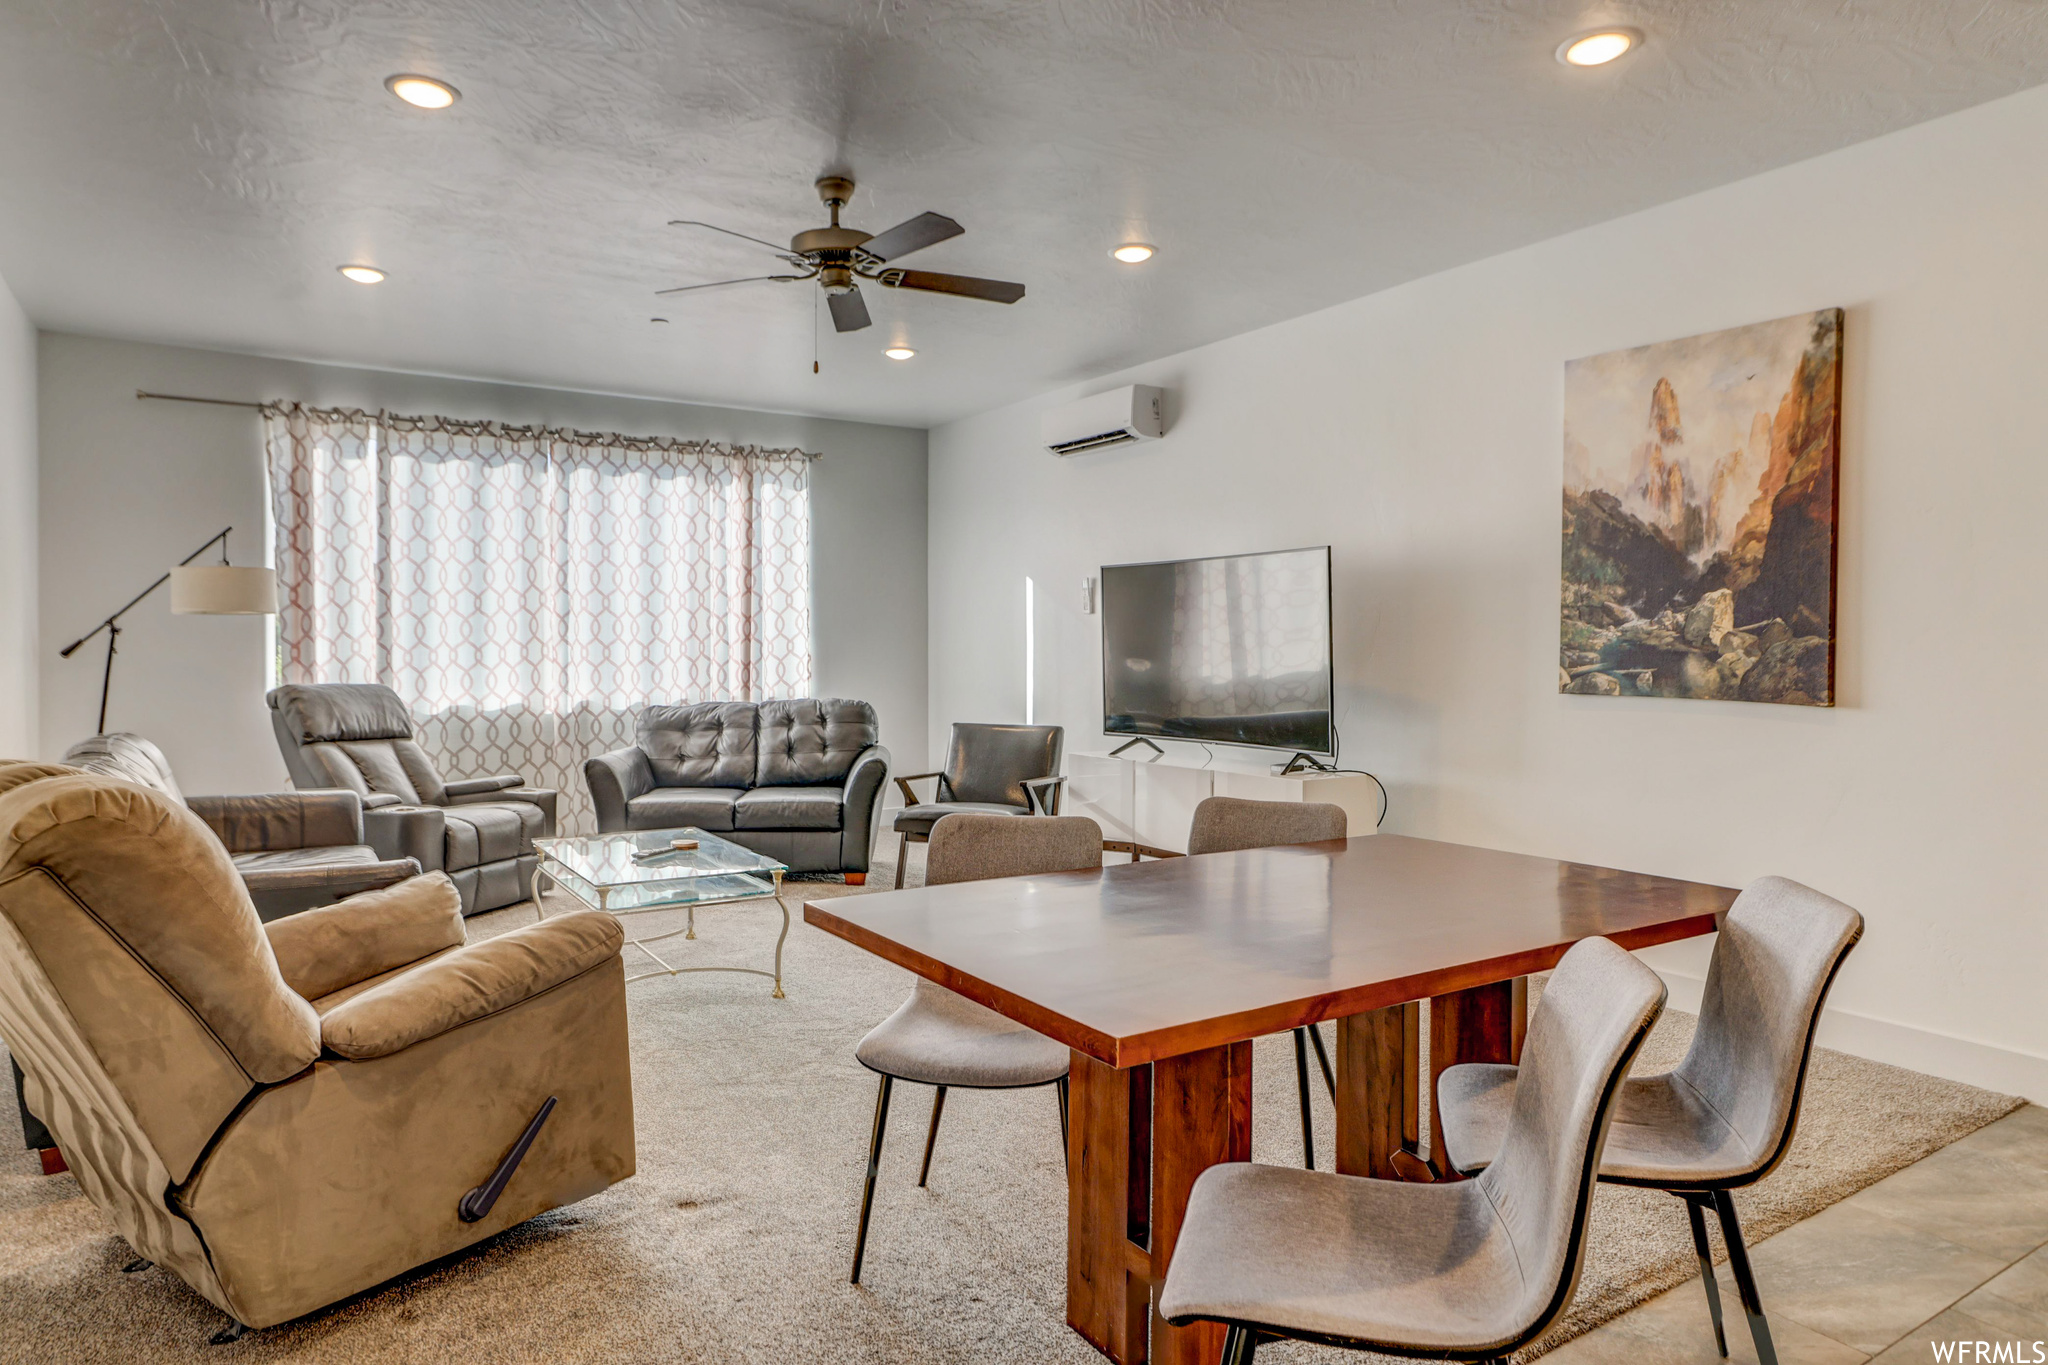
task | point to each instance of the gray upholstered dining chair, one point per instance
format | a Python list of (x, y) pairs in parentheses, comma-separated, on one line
[(1227, 824), (1469, 1270), (1725, 1116), (942, 1039), (990, 770)]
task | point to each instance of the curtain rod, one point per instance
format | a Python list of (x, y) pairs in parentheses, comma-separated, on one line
[(812, 456), (187, 398)]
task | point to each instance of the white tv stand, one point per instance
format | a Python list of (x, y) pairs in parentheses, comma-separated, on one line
[(1145, 798)]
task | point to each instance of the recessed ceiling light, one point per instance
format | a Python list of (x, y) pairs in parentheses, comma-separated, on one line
[(423, 92), (899, 353), (1599, 48), (1131, 253), (657, 319), (362, 274)]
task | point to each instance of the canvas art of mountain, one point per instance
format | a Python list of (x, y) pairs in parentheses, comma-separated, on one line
[(1699, 516)]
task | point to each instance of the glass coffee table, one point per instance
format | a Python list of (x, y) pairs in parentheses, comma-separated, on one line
[(639, 872)]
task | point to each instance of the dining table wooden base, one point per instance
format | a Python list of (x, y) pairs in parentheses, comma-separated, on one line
[(1138, 1138), (1381, 1085)]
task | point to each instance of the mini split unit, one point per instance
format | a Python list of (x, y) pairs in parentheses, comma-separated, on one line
[(1108, 419)]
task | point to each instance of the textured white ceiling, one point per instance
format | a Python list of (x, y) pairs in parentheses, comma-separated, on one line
[(193, 170)]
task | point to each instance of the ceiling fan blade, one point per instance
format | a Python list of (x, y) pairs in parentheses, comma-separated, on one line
[(966, 286), (914, 234), (720, 284), (849, 311), (692, 222)]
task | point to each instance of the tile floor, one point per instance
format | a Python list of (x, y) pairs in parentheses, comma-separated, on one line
[(1952, 1248)]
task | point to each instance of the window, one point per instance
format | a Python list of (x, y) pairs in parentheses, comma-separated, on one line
[(526, 590)]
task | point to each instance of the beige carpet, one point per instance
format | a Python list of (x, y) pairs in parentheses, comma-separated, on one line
[(732, 1242)]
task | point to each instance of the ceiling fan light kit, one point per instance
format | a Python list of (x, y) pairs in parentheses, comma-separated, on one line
[(840, 258)]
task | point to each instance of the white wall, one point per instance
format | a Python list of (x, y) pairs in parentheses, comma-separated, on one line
[(1419, 432), (129, 487), (17, 529)]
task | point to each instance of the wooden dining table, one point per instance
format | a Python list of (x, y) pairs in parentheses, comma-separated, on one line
[(1159, 975)]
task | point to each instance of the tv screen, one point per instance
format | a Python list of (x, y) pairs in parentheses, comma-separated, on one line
[(1231, 650)]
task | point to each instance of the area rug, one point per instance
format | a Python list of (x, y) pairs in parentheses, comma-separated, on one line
[(732, 1242)]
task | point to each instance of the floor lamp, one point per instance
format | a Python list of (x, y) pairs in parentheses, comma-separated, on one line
[(196, 590)]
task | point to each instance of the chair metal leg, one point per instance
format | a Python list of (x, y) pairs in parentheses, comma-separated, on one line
[(902, 857), (1745, 1278), (1061, 1086), (1705, 1253), (1308, 1128), (1315, 1035), (1238, 1345), (931, 1138), (867, 1194)]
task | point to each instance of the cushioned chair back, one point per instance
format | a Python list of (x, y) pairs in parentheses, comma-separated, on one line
[(991, 763), (971, 848), (1779, 948), (706, 744), (137, 990), (353, 735), (1225, 824), (1592, 1018), (127, 756), (812, 743)]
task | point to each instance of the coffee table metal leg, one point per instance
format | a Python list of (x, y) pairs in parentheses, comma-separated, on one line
[(783, 906), (693, 923)]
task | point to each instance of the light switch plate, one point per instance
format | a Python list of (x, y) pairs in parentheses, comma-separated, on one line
[(1088, 597)]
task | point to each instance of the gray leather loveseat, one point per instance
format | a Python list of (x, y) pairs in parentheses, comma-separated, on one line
[(800, 781)]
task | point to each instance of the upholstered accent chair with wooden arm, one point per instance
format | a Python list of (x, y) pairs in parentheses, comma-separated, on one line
[(479, 830), (284, 1115), (990, 770)]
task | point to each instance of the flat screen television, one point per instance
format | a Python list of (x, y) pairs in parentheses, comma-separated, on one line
[(1229, 650)]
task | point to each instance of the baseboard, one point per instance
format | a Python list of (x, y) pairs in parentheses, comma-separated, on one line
[(1936, 1054)]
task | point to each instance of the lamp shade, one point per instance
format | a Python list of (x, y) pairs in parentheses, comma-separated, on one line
[(223, 590)]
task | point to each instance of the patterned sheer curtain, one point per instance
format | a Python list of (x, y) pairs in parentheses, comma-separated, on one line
[(527, 589)]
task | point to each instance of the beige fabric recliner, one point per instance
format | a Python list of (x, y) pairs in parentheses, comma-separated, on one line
[(287, 1114)]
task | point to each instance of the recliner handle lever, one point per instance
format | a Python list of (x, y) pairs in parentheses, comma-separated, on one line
[(476, 1205)]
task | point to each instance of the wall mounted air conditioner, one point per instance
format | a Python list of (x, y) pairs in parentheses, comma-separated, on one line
[(1108, 419)]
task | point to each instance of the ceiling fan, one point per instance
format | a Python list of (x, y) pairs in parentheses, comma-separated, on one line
[(838, 258)]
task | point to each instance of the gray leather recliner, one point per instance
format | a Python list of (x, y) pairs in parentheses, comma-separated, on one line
[(800, 780), (294, 850), (480, 831)]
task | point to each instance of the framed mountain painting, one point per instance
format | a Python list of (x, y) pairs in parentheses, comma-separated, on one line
[(1699, 516)]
